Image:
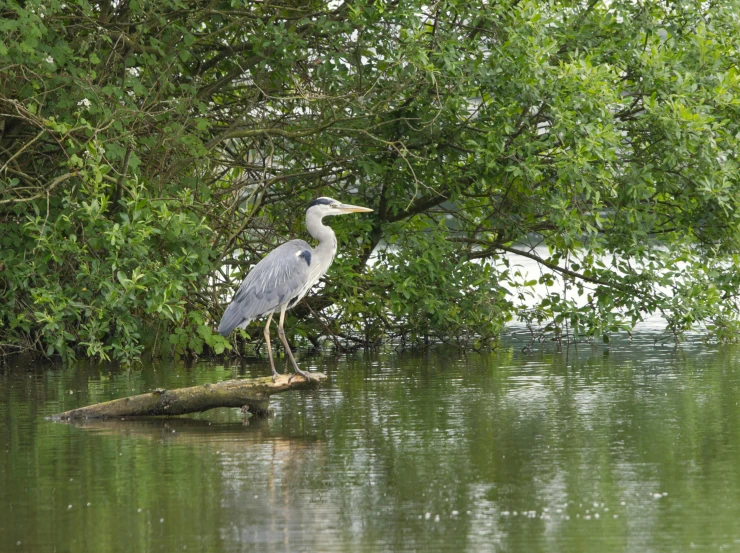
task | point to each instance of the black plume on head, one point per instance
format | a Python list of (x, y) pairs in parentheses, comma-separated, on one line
[(319, 201)]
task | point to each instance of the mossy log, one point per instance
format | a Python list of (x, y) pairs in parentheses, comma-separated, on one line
[(252, 394)]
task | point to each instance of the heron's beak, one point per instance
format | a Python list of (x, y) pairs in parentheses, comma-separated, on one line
[(346, 208)]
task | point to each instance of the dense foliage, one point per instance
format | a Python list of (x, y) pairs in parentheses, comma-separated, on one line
[(150, 152)]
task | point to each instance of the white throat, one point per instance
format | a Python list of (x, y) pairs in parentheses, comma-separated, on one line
[(323, 233)]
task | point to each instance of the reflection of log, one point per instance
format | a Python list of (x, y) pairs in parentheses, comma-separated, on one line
[(181, 429), (253, 394)]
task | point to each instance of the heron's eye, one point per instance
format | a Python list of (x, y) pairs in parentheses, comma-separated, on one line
[(335, 206)]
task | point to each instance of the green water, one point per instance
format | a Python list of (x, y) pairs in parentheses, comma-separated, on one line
[(632, 449)]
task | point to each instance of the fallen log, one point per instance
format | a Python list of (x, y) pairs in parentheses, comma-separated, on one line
[(251, 394)]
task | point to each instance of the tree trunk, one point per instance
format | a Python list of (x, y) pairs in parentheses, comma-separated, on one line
[(254, 394)]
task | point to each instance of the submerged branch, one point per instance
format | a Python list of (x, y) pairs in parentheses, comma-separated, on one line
[(251, 393)]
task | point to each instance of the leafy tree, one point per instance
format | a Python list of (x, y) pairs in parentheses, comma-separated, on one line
[(148, 149)]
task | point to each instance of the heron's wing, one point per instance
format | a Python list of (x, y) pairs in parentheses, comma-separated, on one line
[(275, 280)]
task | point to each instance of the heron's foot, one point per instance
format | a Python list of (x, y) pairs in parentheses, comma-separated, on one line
[(302, 373)]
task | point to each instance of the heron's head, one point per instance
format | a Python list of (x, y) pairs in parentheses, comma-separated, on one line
[(324, 207)]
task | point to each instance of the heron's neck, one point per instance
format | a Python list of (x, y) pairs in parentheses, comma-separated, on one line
[(324, 234)]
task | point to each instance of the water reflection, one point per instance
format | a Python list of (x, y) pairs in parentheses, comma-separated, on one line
[(632, 449)]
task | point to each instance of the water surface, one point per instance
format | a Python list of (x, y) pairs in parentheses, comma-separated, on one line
[(634, 448)]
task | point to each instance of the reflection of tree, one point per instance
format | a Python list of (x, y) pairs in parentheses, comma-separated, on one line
[(358, 464), (259, 474)]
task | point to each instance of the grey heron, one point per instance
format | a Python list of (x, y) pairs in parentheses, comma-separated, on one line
[(286, 274)]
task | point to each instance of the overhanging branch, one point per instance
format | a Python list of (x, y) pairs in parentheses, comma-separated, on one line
[(550, 265)]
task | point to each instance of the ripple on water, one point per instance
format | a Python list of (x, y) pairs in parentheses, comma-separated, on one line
[(551, 451)]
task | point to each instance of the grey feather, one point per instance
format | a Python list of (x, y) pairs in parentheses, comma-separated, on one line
[(285, 275), (276, 280)]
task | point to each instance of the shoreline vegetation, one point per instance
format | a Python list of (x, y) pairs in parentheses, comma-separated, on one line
[(151, 153)]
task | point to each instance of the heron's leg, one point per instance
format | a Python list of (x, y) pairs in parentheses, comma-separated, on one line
[(269, 347), (281, 333)]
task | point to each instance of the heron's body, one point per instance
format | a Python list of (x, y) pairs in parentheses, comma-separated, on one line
[(285, 275)]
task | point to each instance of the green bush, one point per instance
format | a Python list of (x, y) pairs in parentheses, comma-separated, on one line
[(150, 153)]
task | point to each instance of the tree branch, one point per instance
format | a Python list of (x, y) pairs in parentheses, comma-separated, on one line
[(253, 393)]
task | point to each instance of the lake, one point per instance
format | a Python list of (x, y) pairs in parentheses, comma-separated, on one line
[(631, 448)]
